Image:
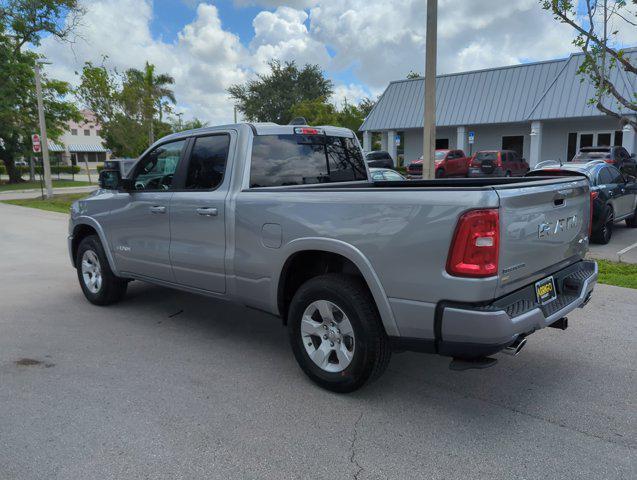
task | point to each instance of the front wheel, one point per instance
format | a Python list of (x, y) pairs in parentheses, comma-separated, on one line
[(336, 333), (98, 282), (440, 173)]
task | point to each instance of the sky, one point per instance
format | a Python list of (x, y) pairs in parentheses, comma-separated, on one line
[(362, 45)]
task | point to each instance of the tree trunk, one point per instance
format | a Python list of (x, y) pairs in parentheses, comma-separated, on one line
[(12, 171)]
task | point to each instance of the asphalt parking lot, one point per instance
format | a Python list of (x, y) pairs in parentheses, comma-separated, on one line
[(167, 385)]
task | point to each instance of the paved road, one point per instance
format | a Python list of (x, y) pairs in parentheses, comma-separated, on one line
[(621, 242), (168, 385)]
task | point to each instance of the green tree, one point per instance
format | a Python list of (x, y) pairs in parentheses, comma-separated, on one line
[(411, 75), (24, 22), (596, 25), (130, 107), (151, 91), (270, 97)]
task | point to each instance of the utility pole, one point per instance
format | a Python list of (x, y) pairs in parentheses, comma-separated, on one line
[(235, 114), (46, 166), (429, 134)]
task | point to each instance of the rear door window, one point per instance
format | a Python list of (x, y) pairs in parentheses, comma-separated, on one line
[(604, 177), (616, 175), (283, 160), (207, 162)]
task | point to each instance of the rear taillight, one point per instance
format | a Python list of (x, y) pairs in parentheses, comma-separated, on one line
[(475, 245), (594, 195), (498, 162), (609, 160)]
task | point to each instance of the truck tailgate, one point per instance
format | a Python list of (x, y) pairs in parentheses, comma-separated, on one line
[(543, 228)]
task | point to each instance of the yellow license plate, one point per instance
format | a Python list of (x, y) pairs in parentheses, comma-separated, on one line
[(545, 291)]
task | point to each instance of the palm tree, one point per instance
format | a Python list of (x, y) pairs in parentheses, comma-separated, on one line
[(153, 94)]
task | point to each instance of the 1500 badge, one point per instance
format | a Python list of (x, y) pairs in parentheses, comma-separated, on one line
[(548, 229)]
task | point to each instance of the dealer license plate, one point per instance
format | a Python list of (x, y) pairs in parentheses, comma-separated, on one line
[(545, 290)]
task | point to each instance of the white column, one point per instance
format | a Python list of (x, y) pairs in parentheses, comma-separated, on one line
[(367, 141), (629, 139), (384, 145), (462, 138), (536, 144), (391, 144)]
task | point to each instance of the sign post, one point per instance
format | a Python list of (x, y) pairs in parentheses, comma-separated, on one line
[(429, 120), (42, 141), (472, 138)]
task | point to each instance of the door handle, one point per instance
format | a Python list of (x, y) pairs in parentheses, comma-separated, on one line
[(157, 209), (207, 211)]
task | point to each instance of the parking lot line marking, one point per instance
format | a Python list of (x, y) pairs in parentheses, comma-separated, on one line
[(625, 250)]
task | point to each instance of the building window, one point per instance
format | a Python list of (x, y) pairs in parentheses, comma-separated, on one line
[(87, 133), (572, 146), (619, 138), (515, 143), (442, 143), (74, 131)]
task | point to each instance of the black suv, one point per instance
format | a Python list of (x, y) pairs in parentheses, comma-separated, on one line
[(614, 195), (617, 156), (379, 159)]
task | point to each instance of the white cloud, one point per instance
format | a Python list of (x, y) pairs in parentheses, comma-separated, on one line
[(385, 40), (282, 35), (377, 40)]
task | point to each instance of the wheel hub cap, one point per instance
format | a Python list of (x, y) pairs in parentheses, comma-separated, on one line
[(91, 271), (328, 336)]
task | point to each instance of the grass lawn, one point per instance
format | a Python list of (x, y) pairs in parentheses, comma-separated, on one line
[(618, 274), (6, 187), (59, 203)]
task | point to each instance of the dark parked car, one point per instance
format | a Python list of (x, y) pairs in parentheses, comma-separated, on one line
[(617, 156), (379, 159), (613, 195), (385, 174), (497, 163)]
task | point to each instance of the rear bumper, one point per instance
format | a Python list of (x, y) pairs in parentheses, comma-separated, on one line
[(465, 331), (478, 173)]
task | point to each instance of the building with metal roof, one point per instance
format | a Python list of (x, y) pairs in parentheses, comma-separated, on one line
[(541, 109)]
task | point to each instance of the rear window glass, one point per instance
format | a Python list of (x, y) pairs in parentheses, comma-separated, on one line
[(487, 156), (280, 160), (590, 156), (378, 156)]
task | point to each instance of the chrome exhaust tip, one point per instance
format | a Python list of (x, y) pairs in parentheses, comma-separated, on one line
[(516, 347)]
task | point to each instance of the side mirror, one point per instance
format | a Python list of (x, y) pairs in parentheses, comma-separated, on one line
[(110, 179)]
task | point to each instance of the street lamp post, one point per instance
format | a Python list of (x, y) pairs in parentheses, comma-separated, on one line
[(429, 134), (46, 166)]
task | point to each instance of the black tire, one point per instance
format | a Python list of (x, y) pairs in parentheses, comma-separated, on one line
[(604, 233), (632, 221), (111, 289), (440, 173), (507, 174), (372, 351)]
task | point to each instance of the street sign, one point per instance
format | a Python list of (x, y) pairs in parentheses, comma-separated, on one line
[(472, 137), (397, 140), (35, 140)]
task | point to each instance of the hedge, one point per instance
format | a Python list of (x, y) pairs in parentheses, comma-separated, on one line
[(55, 169)]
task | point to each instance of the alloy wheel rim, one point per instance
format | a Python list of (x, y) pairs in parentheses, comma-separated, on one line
[(91, 271), (328, 336)]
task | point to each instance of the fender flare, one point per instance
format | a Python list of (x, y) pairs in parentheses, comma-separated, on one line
[(79, 221), (354, 255)]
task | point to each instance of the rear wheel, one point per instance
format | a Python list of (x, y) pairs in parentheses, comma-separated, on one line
[(336, 333), (98, 282), (508, 174), (604, 233)]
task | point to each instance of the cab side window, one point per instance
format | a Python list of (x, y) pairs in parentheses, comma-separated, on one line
[(604, 177), (615, 174), (207, 164), (156, 170)]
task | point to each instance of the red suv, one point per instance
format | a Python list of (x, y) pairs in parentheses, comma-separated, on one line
[(448, 163), (497, 163)]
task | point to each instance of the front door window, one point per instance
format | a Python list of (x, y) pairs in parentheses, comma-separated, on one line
[(156, 170)]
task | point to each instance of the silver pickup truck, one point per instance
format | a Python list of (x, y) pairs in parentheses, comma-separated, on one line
[(285, 219)]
